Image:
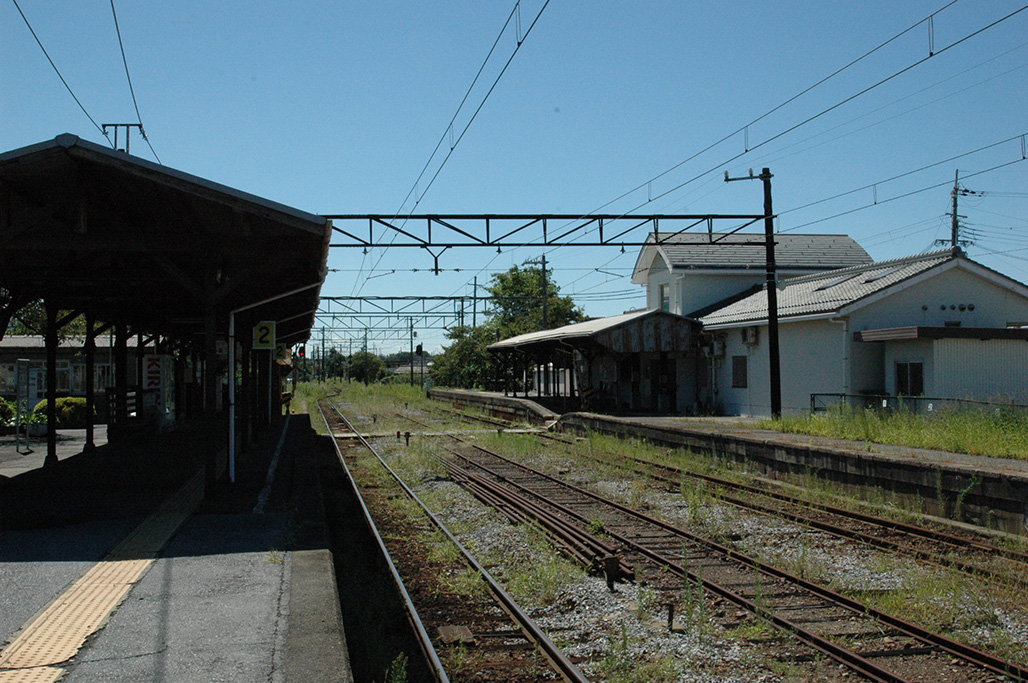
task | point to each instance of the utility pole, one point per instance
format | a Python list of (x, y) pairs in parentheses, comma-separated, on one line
[(411, 319), (367, 365), (954, 238), (474, 304), (546, 291), (771, 285)]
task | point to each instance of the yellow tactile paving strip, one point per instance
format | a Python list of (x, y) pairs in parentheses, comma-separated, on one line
[(57, 633), (46, 674)]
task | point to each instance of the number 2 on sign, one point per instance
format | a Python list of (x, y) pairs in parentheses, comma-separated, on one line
[(264, 335)]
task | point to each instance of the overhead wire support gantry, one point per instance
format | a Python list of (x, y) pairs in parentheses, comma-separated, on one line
[(446, 231)]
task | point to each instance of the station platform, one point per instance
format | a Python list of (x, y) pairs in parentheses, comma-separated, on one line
[(116, 565)]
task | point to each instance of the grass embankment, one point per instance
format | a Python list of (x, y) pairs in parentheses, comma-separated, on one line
[(979, 432)]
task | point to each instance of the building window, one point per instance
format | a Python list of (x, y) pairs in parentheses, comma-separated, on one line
[(665, 298), (63, 376), (909, 379), (739, 372), (8, 373)]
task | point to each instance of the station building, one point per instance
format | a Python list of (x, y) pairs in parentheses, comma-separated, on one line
[(928, 331)]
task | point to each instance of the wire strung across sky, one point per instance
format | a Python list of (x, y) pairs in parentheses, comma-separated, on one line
[(58, 72), (124, 59), (825, 111), (904, 195), (514, 15), (744, 129)]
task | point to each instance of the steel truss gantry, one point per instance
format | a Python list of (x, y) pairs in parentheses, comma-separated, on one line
[(436, 233)]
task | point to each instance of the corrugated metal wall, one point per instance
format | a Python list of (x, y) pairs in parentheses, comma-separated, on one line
[(984, 370)]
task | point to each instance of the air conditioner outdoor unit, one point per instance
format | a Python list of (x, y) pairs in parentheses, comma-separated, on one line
[(749, 335)]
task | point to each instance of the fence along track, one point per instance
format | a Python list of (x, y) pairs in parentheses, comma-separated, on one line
[(808, 611), (561, 665)]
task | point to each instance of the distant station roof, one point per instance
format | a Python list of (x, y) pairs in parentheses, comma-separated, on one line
[(94, 229), (638, 331), (745, 251)]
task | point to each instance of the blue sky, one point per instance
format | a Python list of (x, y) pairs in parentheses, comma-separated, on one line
[(337, 107)]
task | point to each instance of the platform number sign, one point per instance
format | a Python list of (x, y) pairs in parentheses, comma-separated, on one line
[(264, 335)]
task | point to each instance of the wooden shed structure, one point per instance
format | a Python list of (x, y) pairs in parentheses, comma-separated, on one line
[(626, 363)]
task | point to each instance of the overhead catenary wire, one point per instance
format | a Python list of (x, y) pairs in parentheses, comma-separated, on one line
[(835, 106), (936, 186), (132, 91), (835, 73), (879, 183), (749, 149), (770, 158), (58, 72), (521, 37), (744, 128)]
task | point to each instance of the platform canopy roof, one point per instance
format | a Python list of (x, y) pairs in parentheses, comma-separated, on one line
[(96, 230), (650, 330)]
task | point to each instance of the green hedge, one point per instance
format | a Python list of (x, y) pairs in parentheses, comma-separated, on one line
[(71, 412), (8, 411)]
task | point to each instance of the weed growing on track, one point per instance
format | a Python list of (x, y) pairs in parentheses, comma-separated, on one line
[(622, 665), (397, 672), (540, 581)]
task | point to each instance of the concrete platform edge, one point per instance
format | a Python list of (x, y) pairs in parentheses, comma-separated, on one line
[(315, 643)]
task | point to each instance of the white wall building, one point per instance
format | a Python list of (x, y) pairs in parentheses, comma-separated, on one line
[(936, 325)]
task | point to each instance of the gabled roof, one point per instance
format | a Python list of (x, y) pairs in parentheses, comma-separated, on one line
[(583, 329), (741, 252), (654, 328), (99, 231), (838, 291)]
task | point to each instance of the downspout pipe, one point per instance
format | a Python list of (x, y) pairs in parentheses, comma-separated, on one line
[(232, 371), (845, 322)]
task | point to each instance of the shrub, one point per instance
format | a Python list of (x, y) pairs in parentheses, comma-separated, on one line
[(71, 412), (8, 410)]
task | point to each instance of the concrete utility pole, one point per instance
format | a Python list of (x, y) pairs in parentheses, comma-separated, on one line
[(546, 291), (954, 239), (771, 285)]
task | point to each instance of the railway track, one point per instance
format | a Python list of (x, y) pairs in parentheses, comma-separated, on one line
[(487, 640), (966, 553), (877, 645)]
